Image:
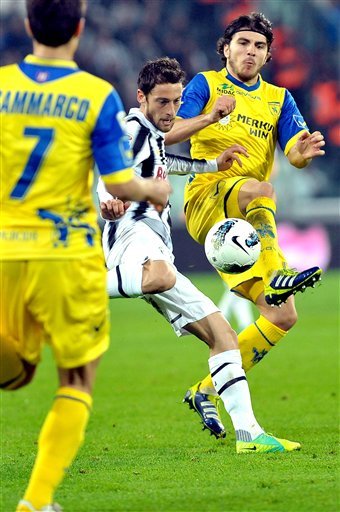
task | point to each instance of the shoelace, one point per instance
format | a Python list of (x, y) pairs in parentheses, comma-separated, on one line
[(287, 272)]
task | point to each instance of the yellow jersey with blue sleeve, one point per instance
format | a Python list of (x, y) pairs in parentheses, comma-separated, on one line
[(57, 122), (264, 115)]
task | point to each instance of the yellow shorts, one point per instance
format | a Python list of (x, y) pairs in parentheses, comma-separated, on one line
[(207, 204), (63, 303)]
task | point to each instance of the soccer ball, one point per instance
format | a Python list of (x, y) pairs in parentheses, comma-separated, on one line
[(232, 246)]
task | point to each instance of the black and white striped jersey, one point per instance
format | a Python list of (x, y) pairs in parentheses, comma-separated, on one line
[(150, 160)]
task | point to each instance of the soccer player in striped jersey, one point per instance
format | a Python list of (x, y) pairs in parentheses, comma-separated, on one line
[(138, 251), (232, 105), (55, 121)]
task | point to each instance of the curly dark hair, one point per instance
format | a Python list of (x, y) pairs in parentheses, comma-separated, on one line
[(159, 71), (255, 21)]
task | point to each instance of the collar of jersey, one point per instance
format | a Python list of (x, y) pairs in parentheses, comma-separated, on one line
[(248, 88), (41, 61), (136, 112)]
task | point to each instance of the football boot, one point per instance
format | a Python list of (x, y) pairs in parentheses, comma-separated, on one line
[(207, 407), (288, 282)]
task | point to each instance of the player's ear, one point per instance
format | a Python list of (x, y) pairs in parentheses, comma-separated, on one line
[(141, 98), (80, 27), (28, 27), (226, 51), (269, 57)]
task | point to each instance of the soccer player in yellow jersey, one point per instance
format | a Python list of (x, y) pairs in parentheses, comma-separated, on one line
[(235, 105), (56, 121)]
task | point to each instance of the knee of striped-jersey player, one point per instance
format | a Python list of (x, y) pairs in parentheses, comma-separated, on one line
[(216, 332), (158, 276)]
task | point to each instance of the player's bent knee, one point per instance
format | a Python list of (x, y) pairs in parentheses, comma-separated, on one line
[(158, 276), (21, 379), (266, 189), (166, 281), (285, 319), (216, 332), (81, 377), (254, 189), (288, 320)]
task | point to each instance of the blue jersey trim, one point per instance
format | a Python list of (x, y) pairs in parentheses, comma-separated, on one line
[(195, 97), (248, 88), (110, 143), (290, 122), (42, 74)]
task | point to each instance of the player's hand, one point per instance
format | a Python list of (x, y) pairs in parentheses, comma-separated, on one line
[(309, 145), (229, 156), (158, 192), (223, 106), (113, 209)]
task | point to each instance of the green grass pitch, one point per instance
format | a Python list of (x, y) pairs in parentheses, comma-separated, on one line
[(144, 450)]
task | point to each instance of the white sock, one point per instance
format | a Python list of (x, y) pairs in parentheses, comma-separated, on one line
[(231, 384), (125, 280)]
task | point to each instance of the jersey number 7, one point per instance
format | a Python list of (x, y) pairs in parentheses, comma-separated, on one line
[(45, 137)]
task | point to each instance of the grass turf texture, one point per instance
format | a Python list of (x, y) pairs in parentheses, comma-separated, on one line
[(144, 450)]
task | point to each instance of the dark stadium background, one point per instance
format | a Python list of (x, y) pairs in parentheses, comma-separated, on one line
[(122, 34)]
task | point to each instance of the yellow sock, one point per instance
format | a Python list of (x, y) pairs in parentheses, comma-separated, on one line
[(255, 341), (261, 214), (12, 371), (60, 438)]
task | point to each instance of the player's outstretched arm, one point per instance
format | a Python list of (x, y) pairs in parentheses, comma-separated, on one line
[(182, 165), (146, 189), (308, 146), (183, 129)]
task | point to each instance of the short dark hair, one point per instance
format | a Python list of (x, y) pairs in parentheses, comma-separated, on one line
[(255, 21), (54, 22), (159, 71)]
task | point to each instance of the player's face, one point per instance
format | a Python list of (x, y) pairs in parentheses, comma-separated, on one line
[(246, 54), (161, 104)]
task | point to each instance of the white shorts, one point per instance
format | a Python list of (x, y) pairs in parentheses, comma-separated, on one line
[(136, 245), (182, 304)]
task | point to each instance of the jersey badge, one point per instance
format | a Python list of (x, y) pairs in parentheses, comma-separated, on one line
[(274, 107)]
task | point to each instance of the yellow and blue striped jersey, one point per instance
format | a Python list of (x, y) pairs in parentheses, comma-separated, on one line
[(264, 115), (56, 122)]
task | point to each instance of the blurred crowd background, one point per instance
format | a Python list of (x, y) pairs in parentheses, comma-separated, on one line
[(122, 34)]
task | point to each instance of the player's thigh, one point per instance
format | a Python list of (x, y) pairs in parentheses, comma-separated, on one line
[(137, 245), (251, 289), (17, 324), (183, 304), (207, 205), (69, 301)]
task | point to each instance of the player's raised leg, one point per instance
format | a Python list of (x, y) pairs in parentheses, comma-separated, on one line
[(258, 201), (135, 279)]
